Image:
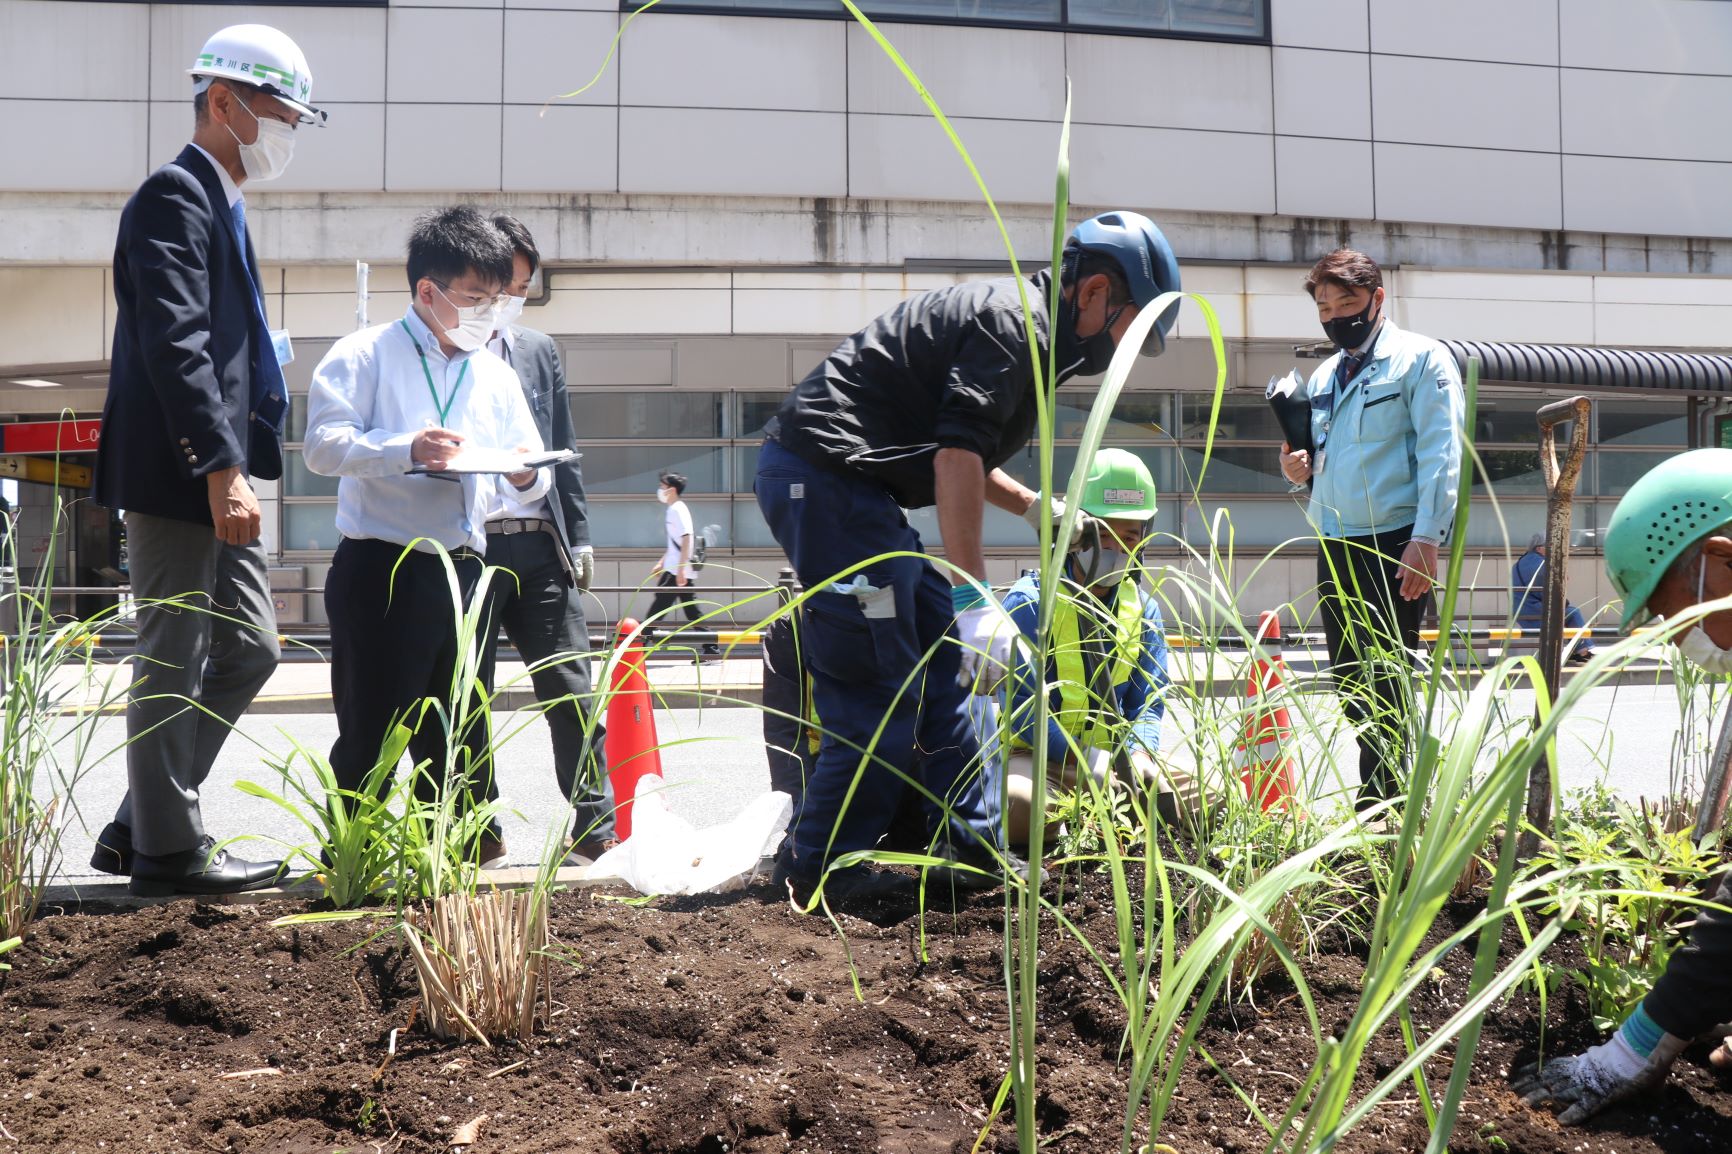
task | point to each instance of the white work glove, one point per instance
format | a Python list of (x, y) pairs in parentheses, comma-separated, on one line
[(1608, 1073), (987, 633), (583, 562), (1038, 508)]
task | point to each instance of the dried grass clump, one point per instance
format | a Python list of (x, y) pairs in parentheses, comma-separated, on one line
[(482, 962)]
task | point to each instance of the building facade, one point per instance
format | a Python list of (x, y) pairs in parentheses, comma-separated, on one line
[(739, 186)]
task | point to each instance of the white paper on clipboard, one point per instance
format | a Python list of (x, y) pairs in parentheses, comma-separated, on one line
[(474, 459)]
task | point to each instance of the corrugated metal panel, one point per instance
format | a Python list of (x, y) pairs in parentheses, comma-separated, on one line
[(1564, 366)]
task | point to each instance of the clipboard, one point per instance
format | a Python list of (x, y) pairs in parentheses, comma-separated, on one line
[(475, 462)]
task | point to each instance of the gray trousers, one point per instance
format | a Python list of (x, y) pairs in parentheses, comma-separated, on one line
[(217, 650)]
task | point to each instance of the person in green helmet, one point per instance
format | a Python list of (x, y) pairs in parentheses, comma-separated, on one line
[(1668, 550), (1106, 673)]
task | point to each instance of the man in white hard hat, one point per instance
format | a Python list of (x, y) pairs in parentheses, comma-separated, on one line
[(195, 408)]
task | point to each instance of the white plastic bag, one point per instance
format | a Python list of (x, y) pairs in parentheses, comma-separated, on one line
[(665, 855)]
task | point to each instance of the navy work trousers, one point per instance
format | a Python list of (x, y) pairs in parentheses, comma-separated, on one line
[(884, 679)]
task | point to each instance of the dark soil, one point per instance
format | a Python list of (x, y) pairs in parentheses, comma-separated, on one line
[(698, 1026)]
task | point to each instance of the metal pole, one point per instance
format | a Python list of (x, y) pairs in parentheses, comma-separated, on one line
[(1718, 783), (1560, 494)]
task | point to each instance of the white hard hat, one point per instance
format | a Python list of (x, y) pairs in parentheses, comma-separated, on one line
[(263, 57)]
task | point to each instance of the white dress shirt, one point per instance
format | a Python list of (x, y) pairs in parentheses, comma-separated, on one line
[(371, 396), (230, 188), (505, 499)]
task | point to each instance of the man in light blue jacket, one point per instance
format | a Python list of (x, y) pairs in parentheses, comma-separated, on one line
[(1386, 419)]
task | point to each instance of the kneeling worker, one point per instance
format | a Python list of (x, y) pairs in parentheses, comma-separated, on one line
[(1106, 676), (1668, 550)]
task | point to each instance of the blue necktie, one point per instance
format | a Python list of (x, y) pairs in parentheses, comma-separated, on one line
[(269, 394)]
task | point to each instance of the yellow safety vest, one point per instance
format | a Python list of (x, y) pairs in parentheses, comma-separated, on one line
[(1088, 720)]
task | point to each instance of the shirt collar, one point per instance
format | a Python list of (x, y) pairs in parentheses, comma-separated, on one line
[(230, 188), (424, 337)]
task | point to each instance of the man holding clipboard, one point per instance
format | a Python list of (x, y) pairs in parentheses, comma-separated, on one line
[(411, 416)]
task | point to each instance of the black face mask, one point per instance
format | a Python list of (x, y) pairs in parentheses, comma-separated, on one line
[(1082, 356), (1350, 332)]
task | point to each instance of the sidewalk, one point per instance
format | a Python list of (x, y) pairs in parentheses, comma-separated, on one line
[(731, 682)]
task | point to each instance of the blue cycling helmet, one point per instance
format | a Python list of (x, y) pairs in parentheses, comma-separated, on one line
[(1143, 255)]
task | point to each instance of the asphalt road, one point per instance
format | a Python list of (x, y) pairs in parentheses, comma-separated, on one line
[(714, 764)]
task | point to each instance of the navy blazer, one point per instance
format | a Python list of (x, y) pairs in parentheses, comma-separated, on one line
[(535, 356), (180, 381)]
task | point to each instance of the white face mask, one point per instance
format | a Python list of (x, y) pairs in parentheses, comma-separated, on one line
[(509, 312), (1113, 567), (268, 155), (475, 324), (1696, 646)]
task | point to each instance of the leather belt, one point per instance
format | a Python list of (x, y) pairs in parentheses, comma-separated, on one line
[(509, 525)]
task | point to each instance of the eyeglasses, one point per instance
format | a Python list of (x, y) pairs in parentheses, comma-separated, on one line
[(470, 300)]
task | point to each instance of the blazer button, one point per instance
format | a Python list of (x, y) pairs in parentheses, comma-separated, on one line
[(252, 416), (184, 441), (192, 460)]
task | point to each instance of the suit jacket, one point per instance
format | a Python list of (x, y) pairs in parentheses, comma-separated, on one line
[(180, 382), (535, 356)]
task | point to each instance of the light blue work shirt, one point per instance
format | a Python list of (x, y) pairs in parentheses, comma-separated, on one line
[(1391, 440)]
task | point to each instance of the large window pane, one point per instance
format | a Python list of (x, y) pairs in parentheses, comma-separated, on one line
[(1019, 11), (642, 524), (1214, 19), (1643, 422), (1136, 417), (300, 481), (754, 410), (664, 414), (1618, 471), (311, 526), (1246, 524), (1511, 472), (1233, 470), (297, 423), (1241, 419), (636, 469), (1510, 421), (1235, 18)]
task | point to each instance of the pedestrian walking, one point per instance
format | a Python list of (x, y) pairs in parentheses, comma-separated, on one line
[(674, 572)]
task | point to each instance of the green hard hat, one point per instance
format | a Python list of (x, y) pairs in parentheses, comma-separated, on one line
[(1671, 507), (1120, 486)]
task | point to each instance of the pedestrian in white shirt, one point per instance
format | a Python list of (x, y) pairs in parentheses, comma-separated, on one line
[(673, 573), (390, 409)]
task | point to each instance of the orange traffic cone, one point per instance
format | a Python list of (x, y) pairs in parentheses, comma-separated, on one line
[(1265, 766), (632, 750)]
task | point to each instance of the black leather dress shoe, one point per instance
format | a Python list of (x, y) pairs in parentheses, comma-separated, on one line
[(113, 853), (204, 870)]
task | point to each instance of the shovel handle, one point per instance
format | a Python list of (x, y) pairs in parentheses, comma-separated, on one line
[(1550, 417)]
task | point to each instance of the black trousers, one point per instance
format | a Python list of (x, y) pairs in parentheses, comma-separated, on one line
[(1372, 633), (393, 646), (667, 595), (542, 613)]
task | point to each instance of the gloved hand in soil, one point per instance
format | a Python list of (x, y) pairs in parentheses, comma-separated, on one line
[(1636, 1059)]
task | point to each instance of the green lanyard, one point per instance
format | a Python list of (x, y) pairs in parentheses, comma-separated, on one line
[(444, 410)]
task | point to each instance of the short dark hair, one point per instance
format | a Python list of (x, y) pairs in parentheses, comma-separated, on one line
[(1346, 267), (201, 106), (676, 482), (1082, 263), (448, 242), (521, 241)]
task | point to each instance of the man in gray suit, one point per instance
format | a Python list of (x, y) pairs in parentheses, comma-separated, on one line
[(547, 561)]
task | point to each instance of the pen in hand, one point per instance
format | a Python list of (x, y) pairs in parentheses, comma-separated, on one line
[(434, 447)]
